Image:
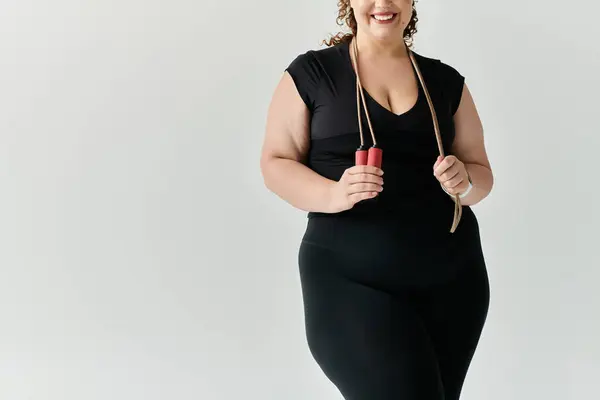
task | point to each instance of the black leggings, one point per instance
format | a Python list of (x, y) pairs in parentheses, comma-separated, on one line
[(381, 336)]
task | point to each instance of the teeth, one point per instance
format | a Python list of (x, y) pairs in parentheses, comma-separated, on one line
[(383, 17)]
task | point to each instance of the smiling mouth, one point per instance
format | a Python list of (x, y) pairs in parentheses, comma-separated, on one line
[(384, 18)]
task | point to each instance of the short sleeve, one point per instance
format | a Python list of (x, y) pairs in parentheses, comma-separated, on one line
[(453, 86), (305, 72)]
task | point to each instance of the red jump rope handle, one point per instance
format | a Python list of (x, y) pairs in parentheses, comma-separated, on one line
[(375, 157), (371, 157), (361, 157)]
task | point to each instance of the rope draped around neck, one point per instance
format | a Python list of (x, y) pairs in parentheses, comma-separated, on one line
[(374, 155)]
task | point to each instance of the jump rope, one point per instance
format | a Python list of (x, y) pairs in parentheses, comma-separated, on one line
[(374, 155)]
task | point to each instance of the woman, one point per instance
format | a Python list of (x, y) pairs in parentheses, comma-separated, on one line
[(394, 281)]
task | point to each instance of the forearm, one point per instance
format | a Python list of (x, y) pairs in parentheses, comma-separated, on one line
[(483, 181), (297, 184)]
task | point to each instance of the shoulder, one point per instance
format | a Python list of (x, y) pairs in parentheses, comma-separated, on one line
[(439, 67), (318, 60), (446, 76), (309, 68)]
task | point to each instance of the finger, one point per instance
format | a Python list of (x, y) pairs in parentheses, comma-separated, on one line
[(437, 162), (450, 173), (365, 169), (364, 187), (365, 177), (439, 169), (456, 189), (450, 190), (355, 198), (446, 163), (454, 182)]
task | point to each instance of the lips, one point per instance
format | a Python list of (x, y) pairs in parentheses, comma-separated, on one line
[(384, 17)]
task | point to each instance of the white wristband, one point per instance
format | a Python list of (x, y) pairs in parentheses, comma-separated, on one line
[(466, 192)]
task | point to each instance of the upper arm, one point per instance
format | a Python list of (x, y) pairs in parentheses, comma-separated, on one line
[(287, 125), (287, 133), (469, 146)]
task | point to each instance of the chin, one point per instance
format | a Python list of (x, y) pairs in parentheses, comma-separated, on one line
[(385, 36)]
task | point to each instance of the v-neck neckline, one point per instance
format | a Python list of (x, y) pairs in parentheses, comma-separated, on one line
[(410, 111)]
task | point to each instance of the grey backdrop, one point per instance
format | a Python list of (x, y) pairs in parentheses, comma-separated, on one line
[(142, 258)]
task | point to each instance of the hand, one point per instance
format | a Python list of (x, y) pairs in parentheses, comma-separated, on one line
[(452, 174), (358, 183)]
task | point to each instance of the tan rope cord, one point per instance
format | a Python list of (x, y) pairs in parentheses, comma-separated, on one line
[(360, 91), (362, 140), (360, 94)]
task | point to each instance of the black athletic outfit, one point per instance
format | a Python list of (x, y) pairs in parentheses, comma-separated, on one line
[(394, 302)]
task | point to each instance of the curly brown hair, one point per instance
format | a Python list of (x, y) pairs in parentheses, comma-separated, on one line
[(346, 16)]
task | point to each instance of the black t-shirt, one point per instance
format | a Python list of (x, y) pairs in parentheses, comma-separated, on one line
[(326, 81)]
